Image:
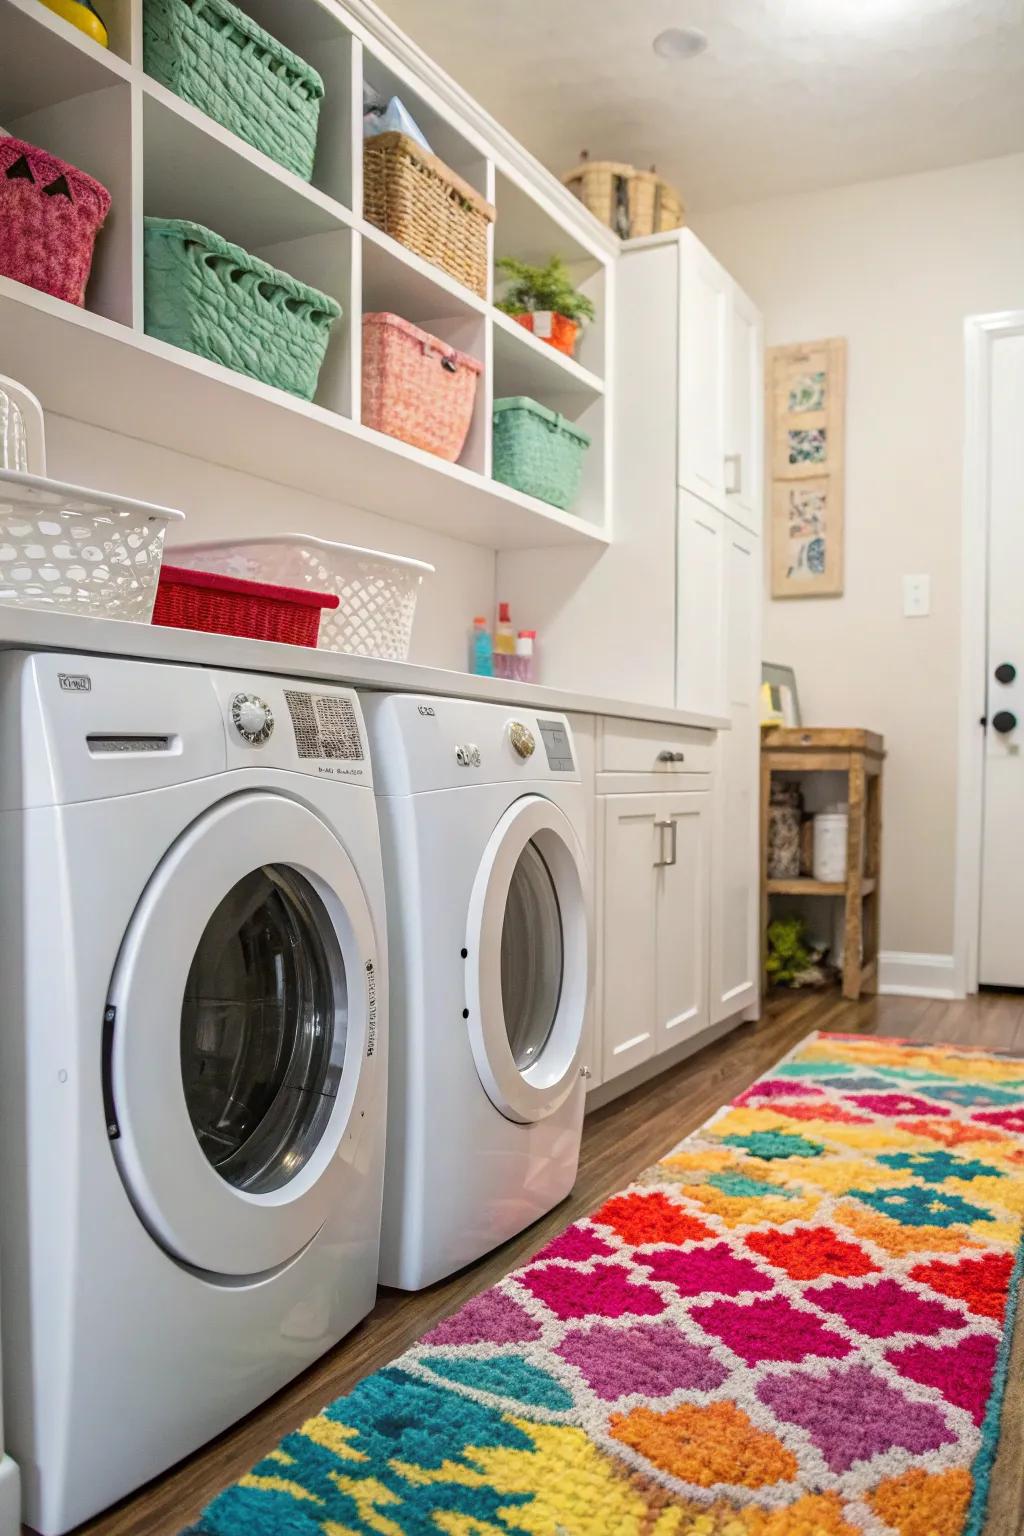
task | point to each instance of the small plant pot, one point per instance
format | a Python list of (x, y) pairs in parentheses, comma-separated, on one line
[(558, 331)]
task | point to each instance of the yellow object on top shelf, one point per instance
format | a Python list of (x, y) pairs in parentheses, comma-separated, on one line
[(82, 16)]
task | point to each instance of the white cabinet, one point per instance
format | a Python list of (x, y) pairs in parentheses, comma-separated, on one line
[(700, 605), (744, 430), (653, 938), (735, 889), (704, 298)]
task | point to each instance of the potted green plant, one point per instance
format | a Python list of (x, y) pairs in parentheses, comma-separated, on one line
[(546, 301)]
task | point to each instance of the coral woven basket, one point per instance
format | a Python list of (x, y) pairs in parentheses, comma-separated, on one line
[(416, 199), (537, 451), (216, 57), (225, 605), (213, 298), (50, 215), (416, 387)]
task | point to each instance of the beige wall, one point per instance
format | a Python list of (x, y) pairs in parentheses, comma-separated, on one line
[(895, 267)]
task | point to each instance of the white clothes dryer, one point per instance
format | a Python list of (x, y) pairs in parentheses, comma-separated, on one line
[(483, 832), (192, 1057)]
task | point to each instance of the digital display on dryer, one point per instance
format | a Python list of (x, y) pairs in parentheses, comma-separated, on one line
[(557, 746)]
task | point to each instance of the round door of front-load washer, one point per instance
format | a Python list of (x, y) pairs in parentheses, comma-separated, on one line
[(527, 961), (239, 1030)]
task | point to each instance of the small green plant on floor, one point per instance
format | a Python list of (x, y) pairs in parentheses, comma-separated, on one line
[(536, 289), (790, 962)]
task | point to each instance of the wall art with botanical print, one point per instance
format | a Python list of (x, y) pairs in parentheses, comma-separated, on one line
[(806, 386)]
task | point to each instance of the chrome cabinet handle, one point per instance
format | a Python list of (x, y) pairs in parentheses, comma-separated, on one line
[(734, 482), (665, 756), (672, 827)]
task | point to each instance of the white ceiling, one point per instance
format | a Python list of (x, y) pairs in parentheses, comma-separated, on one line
[(790, 96)]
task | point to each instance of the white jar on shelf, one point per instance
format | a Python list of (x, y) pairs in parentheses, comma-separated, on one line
[(830, 837)]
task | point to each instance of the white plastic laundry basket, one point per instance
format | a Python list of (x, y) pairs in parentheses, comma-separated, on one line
[(73, 550), (377, 592)]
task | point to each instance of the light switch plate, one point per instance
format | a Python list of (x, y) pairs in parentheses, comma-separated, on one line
[(917, 596)]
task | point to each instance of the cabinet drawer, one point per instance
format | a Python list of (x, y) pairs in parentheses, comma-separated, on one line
[(639, 746)]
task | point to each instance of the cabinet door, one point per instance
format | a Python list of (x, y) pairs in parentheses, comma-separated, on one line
[(703, 316), (744, 445), (681, 992), (700, 556), (628, 957), (735, 883)]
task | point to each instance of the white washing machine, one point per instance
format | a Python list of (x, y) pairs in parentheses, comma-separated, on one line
[(483, 832), (192, 1057)]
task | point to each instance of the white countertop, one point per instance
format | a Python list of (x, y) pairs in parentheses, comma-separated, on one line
[(32, 629)]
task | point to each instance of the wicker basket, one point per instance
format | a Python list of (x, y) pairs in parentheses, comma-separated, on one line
[(631, 202), (213, 298), (215, 56), (50, 215), (537, 451), (413, 197), (415, 387), (377, 593), (227, 605)]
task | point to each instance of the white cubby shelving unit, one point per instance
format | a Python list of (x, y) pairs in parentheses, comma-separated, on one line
[(159, 156)]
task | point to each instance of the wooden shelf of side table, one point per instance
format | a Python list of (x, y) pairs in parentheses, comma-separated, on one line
[(858, 754)]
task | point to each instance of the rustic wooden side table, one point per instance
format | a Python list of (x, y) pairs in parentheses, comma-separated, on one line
[(858, 754)]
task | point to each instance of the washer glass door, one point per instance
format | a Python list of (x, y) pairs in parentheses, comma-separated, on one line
[(527, 966), (240, 1038), (263, 1028)]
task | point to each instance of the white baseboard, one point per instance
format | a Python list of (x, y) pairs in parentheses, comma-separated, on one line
[(906, 975), (10, 1497)]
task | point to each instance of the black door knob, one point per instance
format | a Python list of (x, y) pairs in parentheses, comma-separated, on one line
[(1005, 672), (1004, 722)]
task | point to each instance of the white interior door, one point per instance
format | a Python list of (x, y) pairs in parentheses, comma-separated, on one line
[(1000, 951)]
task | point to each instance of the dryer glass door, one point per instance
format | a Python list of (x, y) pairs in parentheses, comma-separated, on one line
[(527, 966), (240, 1043)]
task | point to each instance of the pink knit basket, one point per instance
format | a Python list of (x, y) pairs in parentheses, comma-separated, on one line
[(50, 215), (416, 387)]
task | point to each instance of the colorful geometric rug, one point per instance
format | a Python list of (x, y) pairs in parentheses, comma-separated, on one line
[(796, 1324)]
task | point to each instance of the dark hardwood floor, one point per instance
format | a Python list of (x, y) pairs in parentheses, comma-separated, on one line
[(619, 1141)]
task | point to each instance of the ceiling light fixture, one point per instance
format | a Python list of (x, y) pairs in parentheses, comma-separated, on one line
[(680, 43)]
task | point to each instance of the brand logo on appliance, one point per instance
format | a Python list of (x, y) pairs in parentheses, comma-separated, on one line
[(371, 1009), (75, 682), (426, 709)]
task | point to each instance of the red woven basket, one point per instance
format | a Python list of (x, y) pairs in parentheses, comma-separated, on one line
[(226, 605), (50, 215)]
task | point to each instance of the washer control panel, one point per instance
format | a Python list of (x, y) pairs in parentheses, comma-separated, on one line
[(252, 718), (557, 746)]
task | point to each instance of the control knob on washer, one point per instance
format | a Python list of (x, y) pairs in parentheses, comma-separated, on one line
[(252, 718)]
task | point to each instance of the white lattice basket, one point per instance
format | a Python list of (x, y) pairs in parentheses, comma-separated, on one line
[(377, 592), (78, 551)]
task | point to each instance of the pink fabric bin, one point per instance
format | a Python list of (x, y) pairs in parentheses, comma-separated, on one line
[(50, 215), (415, 387)]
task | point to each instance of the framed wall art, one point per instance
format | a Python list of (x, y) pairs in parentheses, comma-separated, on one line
[(806, 408)]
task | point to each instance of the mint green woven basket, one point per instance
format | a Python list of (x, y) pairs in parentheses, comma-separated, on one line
[(537, 451), (213, 298), (213, 55)]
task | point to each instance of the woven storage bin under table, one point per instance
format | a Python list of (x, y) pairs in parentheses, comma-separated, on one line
[(377, 593), (537, 451), (214, 56), (50, 215), (213, 298), (224, 605), (416, 199), (415, 387)]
